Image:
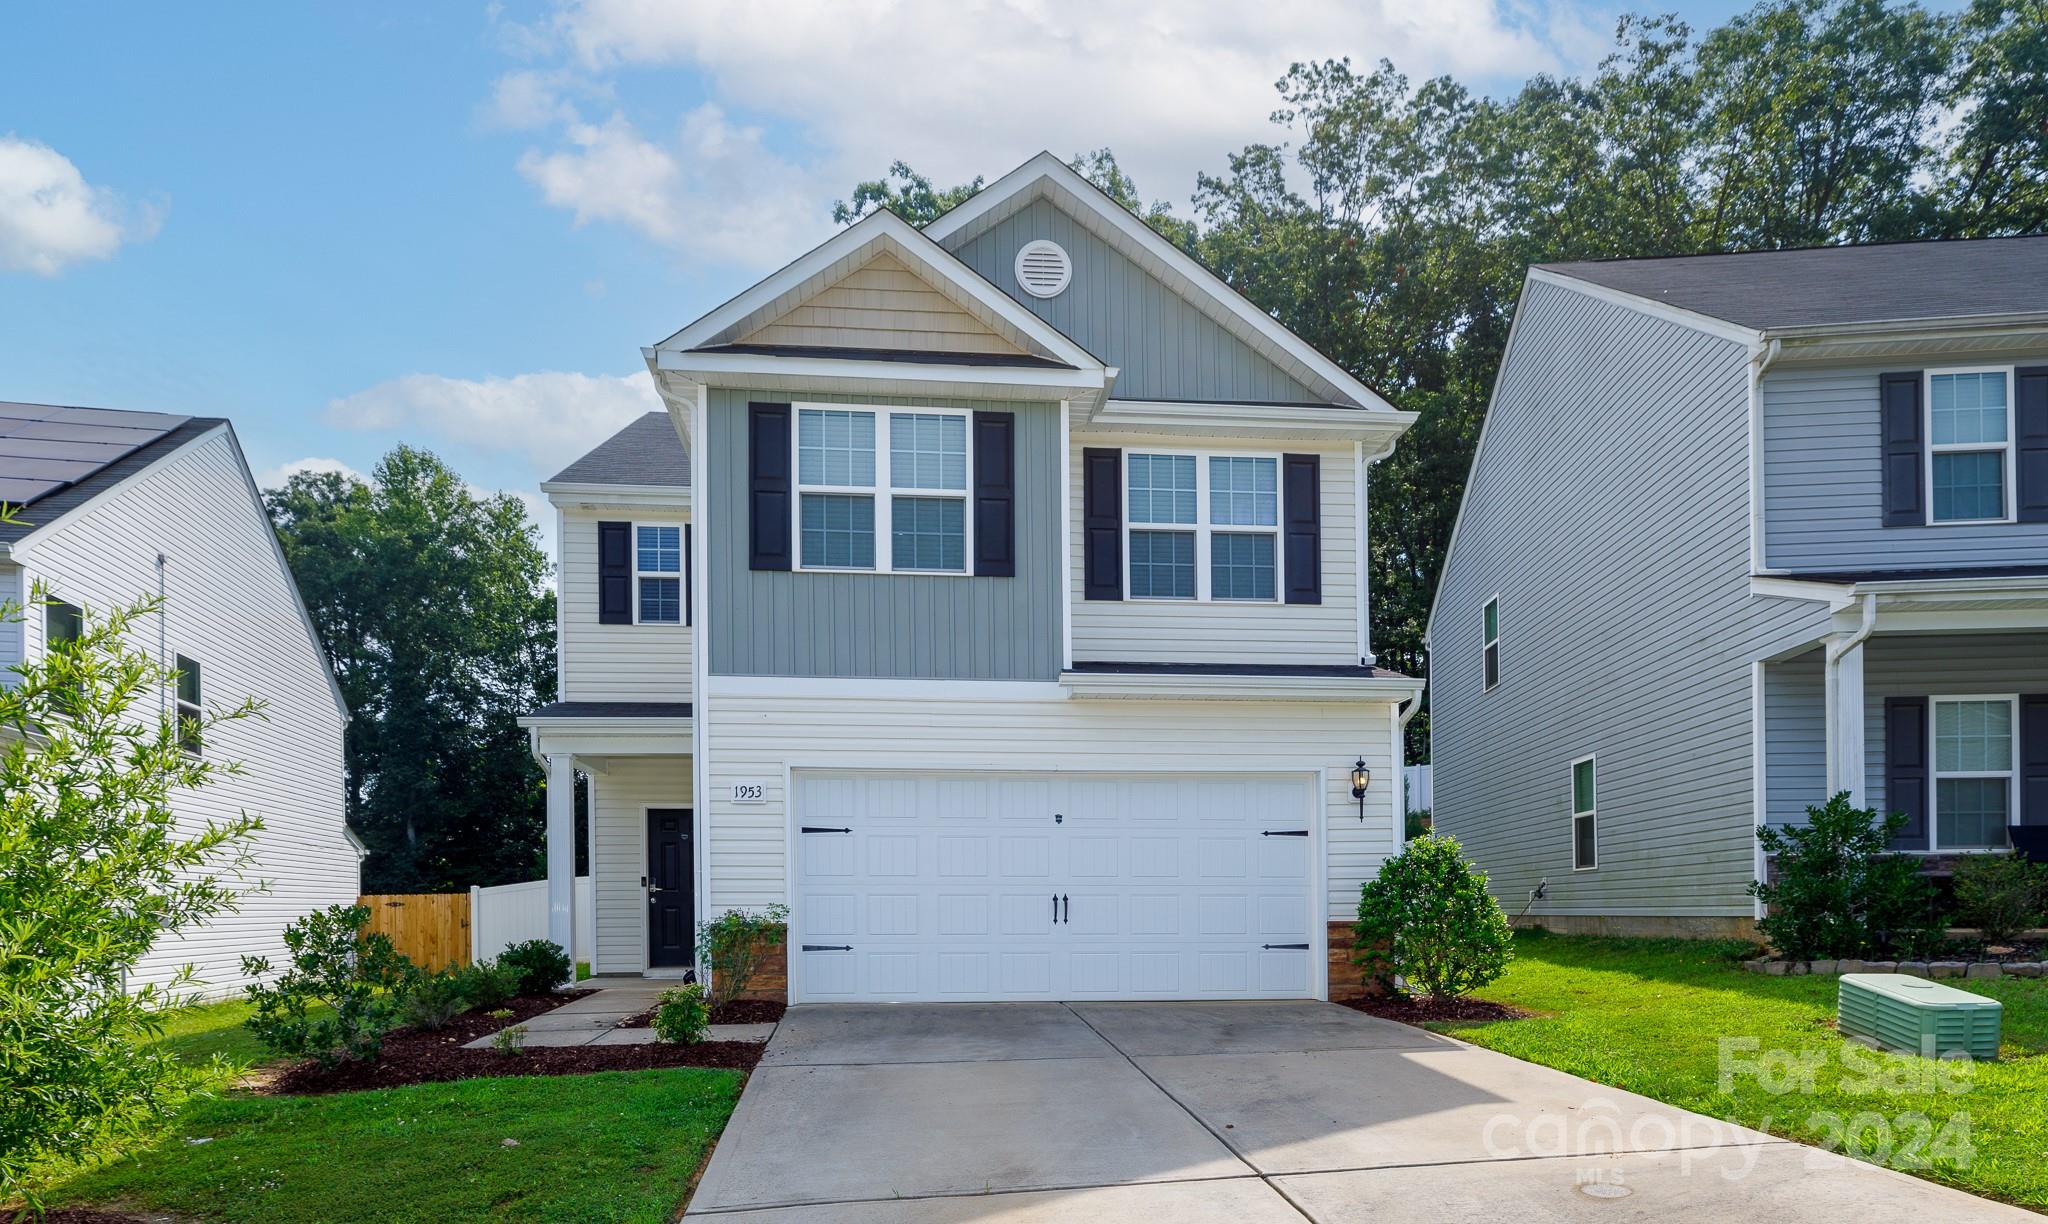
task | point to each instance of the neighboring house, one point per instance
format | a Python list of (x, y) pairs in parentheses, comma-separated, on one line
[(116, 506), (1744, 531), (1007, 621)]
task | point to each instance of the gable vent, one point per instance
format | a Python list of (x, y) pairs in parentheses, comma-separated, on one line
[(1043, 268)]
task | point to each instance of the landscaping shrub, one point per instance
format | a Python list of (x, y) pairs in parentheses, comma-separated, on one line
[(95, 871), (431, 999), (1839, 891), (2001, 895), (541, 963), (733, 946), (681, 1015), (361, 977), (1428, 919), (489, 984)]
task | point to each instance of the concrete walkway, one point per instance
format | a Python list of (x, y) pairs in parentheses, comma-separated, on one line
[(594, 1019), (1261, 1113)]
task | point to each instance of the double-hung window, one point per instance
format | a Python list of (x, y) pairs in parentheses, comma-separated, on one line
[(1974, 751), (658, 571), (187, 706), (882, 490), (62, 623), (1969, 454), (1203, 527), (1491, 649), (1585, 824)]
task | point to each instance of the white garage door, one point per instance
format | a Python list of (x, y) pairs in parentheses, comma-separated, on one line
[(1035, 887)]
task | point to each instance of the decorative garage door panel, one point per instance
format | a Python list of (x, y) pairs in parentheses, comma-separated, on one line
[(1026, 886)]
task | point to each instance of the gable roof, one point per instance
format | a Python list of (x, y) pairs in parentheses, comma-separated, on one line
[(55, 458), (1839, 286), (645, 452), (1047, 176)]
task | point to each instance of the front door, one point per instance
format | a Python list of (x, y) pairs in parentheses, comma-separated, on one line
[(670, 913)]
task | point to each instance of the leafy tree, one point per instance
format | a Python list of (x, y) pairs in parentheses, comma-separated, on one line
[(1993, 173), (431, 600), (902, 191), (342, 990), (95, 871)]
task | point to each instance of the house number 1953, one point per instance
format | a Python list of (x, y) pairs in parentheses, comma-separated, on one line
[(750, 792)]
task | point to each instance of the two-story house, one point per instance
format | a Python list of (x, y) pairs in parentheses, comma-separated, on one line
[(1745, 531), (1006, 620), (113, 507)]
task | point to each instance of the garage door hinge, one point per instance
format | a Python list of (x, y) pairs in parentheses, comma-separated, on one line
[(822, 829), (1285, 833), (849, 947), (1285, 947)]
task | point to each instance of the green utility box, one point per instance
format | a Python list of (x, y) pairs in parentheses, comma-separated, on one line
[(1915, 1016)]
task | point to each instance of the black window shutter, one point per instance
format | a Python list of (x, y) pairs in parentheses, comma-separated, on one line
[(1905, 768), (1301, 526), (995, 494), (2034, 759), (768, 487), (615, 573), (1905, 459), (689, 580), (2030, 404), (1102, 522)]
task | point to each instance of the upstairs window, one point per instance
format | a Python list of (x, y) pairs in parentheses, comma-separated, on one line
[(1203, 527), (1974, 751), (1491, 648), (1585, 823), (1969, 457), (842, 498), (187, 706), (658, 569), (62, 623)]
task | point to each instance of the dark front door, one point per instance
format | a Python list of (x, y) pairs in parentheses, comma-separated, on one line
[(670, 913)]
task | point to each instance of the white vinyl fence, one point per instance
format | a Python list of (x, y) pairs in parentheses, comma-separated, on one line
[(1415, 780), (512, 913)]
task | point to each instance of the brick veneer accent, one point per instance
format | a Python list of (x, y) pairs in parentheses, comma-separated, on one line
[(771, 980)]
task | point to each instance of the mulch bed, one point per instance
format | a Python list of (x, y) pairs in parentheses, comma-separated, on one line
[(88, 1215), (1424, 1011), (739, 1011)]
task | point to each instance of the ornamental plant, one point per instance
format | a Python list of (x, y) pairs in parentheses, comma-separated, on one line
[(735, 943), (681, 1015), (343, 989), (542, 965), (2002, 895), (95, 871), (1837, 889), (1427, 924)]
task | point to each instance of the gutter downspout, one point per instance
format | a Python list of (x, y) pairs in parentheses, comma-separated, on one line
[(1762, 356)]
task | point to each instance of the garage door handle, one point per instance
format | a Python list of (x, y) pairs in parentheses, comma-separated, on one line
[(849, 947), (1285, 947), (822, 829), (1067, 903), (1285, 833)]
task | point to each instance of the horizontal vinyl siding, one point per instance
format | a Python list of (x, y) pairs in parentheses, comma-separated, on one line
[(1948, 666), (1160, 631), (614, 662), (912, 626), (10, 626), (757, 738), (1164, 346), (1824, 483), (620, 797), (230, 607), (882, 304), (1609, 510), (1795, 736)]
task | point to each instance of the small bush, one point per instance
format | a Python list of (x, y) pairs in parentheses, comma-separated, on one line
[(733, 946), (681, 1015), (2001, 895), (1840, 891), (541, 963), (360, 977), (429, 1000), (509, 1040), (1428, 919), (488, 984)]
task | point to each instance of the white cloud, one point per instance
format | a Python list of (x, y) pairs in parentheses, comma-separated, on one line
[(276, 477), (547, 419), (51, 217)]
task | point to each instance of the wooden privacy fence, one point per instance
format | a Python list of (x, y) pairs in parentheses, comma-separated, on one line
[(432, 929)]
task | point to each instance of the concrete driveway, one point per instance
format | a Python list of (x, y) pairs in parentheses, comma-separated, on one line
[(1259, 1113)]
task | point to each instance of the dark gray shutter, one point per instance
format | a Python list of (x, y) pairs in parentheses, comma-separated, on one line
[(1102, 523), (615, 573), (1905, 459), (1301, 526), (768, 487), (2030, 408), (1905, 768), (689, 579), (2034, 759), (995, 496)]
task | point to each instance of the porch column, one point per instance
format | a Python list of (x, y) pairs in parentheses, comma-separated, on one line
[(1845, 718), (561, 769)]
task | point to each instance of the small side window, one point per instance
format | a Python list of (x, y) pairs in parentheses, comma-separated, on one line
[(1492, 642), (62, 623), (189, 709), (1585, 824)]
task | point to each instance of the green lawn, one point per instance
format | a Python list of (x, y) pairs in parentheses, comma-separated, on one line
[(198, 1033), (1650, 1016), (616, 1146)]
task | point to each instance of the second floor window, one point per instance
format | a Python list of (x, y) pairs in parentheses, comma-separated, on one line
[(62, 622), (1969, 429), (859, 509), (1492, 647), (187, 706), (658, 566), (1203, 527)]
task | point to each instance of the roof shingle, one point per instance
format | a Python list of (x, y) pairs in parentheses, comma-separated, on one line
[(646, 452)]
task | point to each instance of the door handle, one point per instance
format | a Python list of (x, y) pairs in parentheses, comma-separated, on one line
[(1055, 909), (1068, 903)]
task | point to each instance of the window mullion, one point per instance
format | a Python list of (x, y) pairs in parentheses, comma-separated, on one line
[(1203, 589)]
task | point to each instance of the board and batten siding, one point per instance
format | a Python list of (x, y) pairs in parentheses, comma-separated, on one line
[(229, 606), (614, 662), (619, 799), (1824, 479), (882, 304), (1226, 631), (757, 738), (899, 626), (1609, 510), (1165, 347)]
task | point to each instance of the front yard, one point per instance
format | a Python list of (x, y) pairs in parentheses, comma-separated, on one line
[(1675, 1020)]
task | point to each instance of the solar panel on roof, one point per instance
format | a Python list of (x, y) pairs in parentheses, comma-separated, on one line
[(46, 447)]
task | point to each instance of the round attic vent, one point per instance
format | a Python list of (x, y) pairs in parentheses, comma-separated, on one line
[(1044, 269)]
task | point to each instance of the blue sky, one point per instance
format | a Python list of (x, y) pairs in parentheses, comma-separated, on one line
[(345, 226)]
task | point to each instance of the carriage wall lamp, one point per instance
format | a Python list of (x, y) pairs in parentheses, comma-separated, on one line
[(1361, 777)]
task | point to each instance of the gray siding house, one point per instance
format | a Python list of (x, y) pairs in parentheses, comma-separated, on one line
[(1744, 531)]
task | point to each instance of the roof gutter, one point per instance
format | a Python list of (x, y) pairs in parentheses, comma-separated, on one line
[(1940, 325)]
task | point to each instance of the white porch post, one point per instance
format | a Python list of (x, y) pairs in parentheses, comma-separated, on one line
[(561, 769), (1845, 720)]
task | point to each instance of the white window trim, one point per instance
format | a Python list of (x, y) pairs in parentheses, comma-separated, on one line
[(884, 491), (1935, 774), (2007, 480), (1489, 643), (680, 574), (182, 709), (1203, 528), (1591, 813)]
